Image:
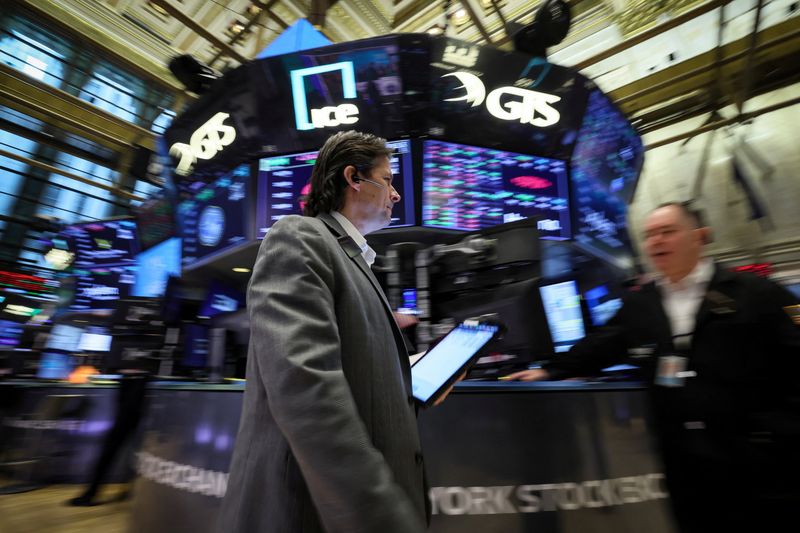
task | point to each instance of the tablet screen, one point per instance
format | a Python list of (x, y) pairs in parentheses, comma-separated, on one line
[(437, 366)]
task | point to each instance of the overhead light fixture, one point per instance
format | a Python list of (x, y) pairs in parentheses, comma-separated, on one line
[(460, 16), (242, 270), (236, 27), (436, 30)]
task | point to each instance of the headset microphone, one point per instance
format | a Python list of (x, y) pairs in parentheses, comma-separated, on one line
[(381, 185)]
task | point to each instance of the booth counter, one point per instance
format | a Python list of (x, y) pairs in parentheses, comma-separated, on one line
[(500, 457), (55, 431)]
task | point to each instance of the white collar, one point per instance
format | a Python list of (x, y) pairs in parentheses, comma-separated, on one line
[(366, 252), (700, 275)]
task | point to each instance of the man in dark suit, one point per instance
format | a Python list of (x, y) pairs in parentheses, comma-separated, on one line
[(722, 355), (328, 438)]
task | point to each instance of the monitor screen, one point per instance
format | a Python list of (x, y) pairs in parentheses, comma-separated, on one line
[(220, 299), (469, 188), (102, 243), (604, 168), (63, 338), (562, 307), (98, 289), (602, 306), (518, 306), (195, 345), (95, 340), (10, 333), (154, 266), (794, 288), (54, 365), (283, 184), (214, 216), (409, 304), (155, 220)]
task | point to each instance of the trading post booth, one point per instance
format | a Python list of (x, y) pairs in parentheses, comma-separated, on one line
[(485, 140)]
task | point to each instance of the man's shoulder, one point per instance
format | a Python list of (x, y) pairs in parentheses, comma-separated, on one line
[(297, 226)]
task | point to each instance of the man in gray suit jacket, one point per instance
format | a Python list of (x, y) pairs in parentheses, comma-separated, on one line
[(328, 439)]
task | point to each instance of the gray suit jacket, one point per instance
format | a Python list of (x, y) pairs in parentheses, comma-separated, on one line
[(328, 438)]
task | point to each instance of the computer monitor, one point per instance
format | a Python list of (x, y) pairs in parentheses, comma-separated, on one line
[(220, 299), (155, 220), (519, 307), (99, 288), (408, 304), (468, 188), (562, 307), (10, 334), (284, 184), (95, 340), (214, 216), (195, 346), (54, 365), (604, 170), (794, 288), (601, 304), (102, 243), (154, 266), (63, 337)]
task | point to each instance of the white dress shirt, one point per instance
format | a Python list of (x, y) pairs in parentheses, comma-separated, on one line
[(366, 252), (681, 300)]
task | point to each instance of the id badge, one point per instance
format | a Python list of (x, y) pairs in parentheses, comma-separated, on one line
[(671, 371)]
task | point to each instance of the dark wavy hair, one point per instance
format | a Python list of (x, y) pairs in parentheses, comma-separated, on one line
[(327, 178)]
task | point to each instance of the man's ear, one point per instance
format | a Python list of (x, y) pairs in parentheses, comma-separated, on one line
[(350, 173), (706, 236)]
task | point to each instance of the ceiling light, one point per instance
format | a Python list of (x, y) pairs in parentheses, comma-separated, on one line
[(241, 269), (460, 16)]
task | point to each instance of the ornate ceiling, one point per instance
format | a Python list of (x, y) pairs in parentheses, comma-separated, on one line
[(659, 59)]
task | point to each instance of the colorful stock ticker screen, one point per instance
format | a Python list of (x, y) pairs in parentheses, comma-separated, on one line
[(284, 184), (468, 188), (605, 167)]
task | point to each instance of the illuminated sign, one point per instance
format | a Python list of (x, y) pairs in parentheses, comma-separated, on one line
[(462, 56), (531, 107), (206, 142), (763, 270), (328, 116)]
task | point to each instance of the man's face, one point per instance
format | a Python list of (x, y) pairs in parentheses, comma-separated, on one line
[(376, 199), (671, 242)]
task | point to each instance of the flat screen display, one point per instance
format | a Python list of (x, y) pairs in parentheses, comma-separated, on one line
[(154, 266), (794, 288), (562, 307), (409, 303), (10, 333), (469, 188), (63, 338), (605, 166), (220, 299), (283, 184), (214, 216), (95, 340), (98, 289), (54, 365), (103, 243), (155, 220), (602, 306), (195, 346), (438, 366)]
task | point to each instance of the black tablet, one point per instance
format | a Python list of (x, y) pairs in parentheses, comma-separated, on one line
[(441, 366)]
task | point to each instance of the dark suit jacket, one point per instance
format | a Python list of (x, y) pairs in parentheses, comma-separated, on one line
[(745, 351), (328, 437)]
